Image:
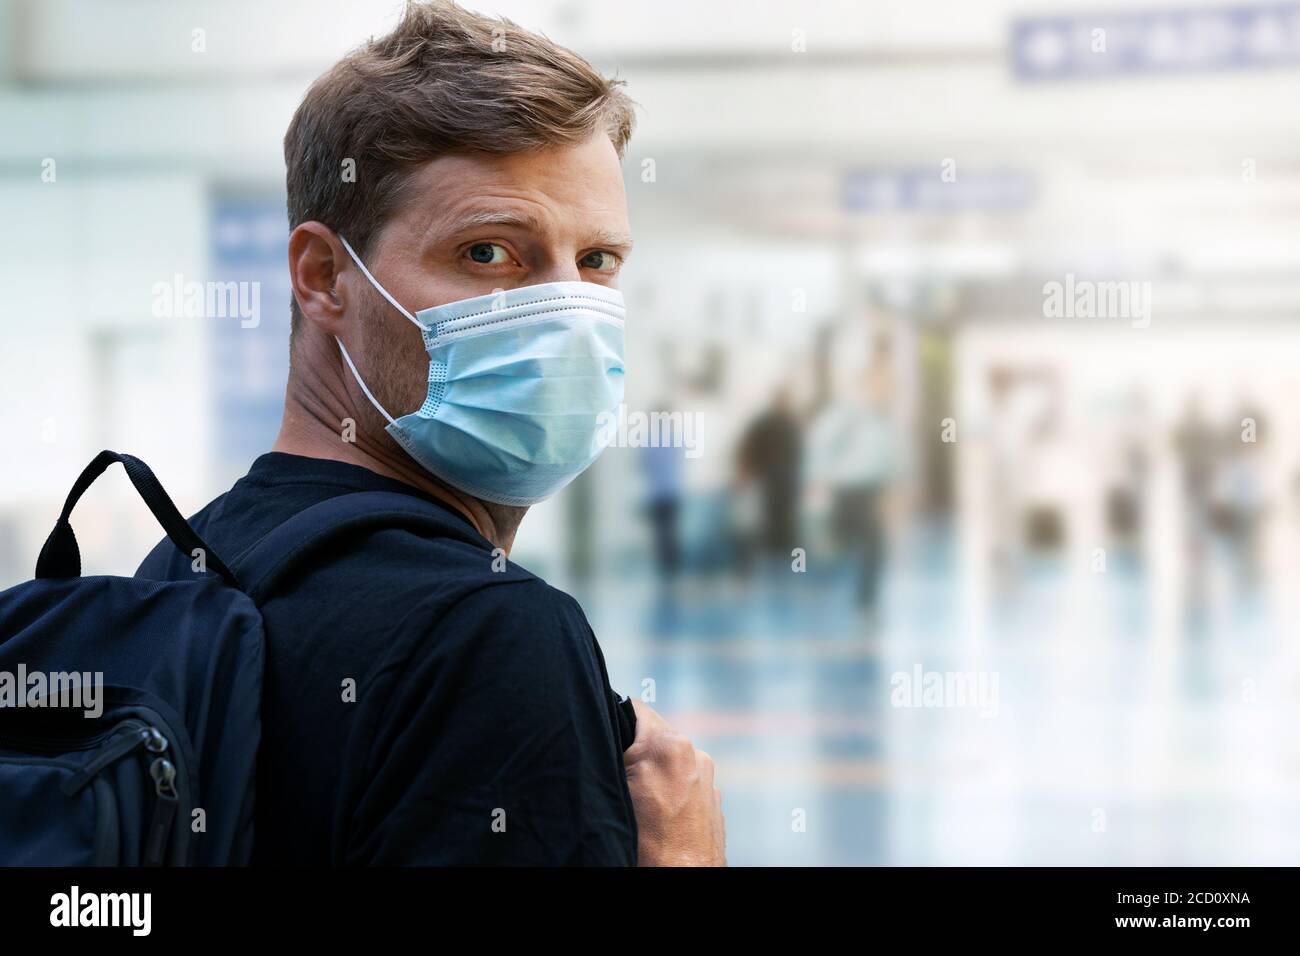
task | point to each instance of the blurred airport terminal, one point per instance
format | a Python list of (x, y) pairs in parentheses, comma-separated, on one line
[(973, 330)]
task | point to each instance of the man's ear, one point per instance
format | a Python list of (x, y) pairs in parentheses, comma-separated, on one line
[(316, 260)]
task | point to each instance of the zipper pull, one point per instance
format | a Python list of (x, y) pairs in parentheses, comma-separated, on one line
[(115, 749), (154, 741), (163, 773)]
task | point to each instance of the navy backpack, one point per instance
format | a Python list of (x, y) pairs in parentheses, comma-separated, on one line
[(159, 769), (174, 728)]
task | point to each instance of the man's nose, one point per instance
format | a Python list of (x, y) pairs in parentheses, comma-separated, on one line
[(558, 269)]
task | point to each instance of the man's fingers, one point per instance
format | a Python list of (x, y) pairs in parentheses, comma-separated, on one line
[(651, 731), (670, 782), (648, 720)]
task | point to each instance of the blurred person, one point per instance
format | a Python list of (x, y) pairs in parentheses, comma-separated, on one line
[(663, 462), (1124, 499), (770, 455), (1024, 420), (707, 514), (489, 197), (1239, 495), (768, 464), (1199, 449), (854, 456), (663, 469)]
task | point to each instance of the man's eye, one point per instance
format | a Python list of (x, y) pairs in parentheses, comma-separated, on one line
[(600, 261), (488, 253)]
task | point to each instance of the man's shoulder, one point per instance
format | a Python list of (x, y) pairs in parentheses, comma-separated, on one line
[(402, 583), (517, 596), (239, 524), (412, 564), (514, 632)]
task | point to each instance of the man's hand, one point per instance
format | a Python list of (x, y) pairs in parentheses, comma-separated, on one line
[(678, 809)]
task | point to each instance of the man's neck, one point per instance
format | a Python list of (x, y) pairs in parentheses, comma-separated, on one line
[(304, 431)]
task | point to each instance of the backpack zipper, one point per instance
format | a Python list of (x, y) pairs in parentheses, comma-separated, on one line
[(117, 747), (163, 773), (129, 736)]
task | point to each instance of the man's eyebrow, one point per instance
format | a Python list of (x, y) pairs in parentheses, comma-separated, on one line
[(619, 242), (491, 217), (603, 238)]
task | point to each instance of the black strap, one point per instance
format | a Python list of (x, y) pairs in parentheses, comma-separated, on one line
[(61, 558), (626, 715)]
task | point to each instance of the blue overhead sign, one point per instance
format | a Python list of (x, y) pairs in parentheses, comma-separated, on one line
[(1105, 43)]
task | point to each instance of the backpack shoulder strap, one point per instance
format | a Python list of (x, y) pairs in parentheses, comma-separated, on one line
[(283, 549)]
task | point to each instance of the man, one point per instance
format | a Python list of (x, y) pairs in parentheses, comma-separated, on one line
[(854, 453), (770, 454), (488, 196)]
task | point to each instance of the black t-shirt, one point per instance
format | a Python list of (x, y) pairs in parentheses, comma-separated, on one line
[(482, 730)]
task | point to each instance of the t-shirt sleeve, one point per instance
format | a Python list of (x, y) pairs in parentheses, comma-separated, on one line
[(498, 746)]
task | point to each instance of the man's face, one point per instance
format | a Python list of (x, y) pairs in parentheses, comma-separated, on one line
[(472, 224)]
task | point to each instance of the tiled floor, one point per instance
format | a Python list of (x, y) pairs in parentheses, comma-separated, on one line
[(1098, 744)]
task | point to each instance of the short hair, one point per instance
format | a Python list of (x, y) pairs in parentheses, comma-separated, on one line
[(444, 80)]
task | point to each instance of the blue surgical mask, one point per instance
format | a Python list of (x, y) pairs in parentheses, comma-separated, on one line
[(521, 385)]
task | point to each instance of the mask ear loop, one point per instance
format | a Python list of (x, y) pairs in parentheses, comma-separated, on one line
[(397, 305), (357, 375), (382, 291)]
